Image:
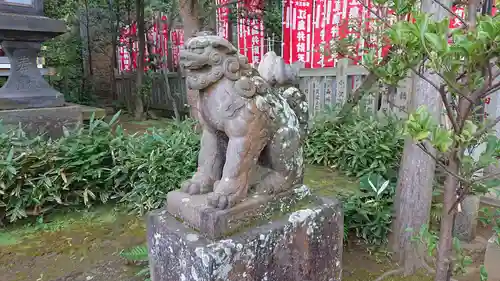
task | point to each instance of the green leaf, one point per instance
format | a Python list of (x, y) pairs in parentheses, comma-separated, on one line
[(138, 253), (422, 135), (435, 40), (10, 155), (483, 275), (65, 131), (442, 139), (115, 118)]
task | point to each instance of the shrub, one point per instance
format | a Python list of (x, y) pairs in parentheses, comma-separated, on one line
[(91, 165), (357, 146), (150, 165), (368, 213)]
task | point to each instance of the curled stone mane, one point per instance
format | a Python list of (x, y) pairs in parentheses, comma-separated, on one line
[(209, 59)]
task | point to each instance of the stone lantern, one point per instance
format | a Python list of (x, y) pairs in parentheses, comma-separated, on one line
[(26, 97), (23, 29)]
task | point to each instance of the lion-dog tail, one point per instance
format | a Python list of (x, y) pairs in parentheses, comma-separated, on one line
[(278, 74)]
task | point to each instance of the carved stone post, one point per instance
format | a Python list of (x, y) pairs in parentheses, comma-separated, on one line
[(26, 87), (26, 98)]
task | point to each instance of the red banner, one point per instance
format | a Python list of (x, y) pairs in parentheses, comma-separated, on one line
[(222, 18), (251, 36), (327, 30), (301, 31), (356, 16), (454, 21), (177, 37), (124, 55), (157, 40), (286, 48), (309, 27)]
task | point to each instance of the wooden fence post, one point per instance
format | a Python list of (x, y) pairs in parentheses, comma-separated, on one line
[(402, 97), (341, 96)]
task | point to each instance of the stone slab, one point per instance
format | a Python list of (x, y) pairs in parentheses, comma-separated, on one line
[(48, 121), (214, 223), (466, 220), (305, 245), (29, 27), (22, 7), (492, 259)]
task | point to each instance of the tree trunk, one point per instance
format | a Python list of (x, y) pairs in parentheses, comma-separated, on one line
[(414, 189), (443, 268), (189, 11), (138, 98), (114, 44), (165, 70), (89, 48)]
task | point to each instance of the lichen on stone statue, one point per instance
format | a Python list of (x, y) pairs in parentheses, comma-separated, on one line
[(254, 122)]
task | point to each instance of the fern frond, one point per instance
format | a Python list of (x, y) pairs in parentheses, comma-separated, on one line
[(138, 253)]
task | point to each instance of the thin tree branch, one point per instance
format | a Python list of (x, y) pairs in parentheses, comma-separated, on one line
[(449, 110), (491, 90), (492, 87), (397, 106), (453, 13), (486, 88), (486, 128), (424, 78), (454, 88), (424, 149), (483, 178), (384, 21)]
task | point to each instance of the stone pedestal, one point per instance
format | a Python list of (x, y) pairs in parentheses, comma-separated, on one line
[(26, 87), (213, 223), (492, 259), (492, 198), (45, 121), (304, 245), (466, 220)]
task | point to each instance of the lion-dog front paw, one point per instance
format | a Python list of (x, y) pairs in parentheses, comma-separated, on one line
[(198, 184), (227, 193)]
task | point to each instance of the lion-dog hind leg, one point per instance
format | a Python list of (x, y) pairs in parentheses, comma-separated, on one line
[(248, 134), (210, 162), (284, 157)]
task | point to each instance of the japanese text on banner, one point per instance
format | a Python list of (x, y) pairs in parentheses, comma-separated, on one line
[(286, 46), (326, 30), (251, 36), (301, 29)]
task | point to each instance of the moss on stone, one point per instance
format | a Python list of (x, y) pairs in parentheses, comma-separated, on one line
[(321, 181), (275, 211), (328, 183)]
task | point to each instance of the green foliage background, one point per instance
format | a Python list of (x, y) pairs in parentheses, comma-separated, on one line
[(358, 145), (64, 52)]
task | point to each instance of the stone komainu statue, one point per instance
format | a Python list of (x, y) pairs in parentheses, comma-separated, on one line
[(253, 124)]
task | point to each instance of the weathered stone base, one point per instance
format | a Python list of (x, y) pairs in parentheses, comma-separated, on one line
[(194, 211), (305, 245), (48, 121), (492, 259), (466, 220)]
